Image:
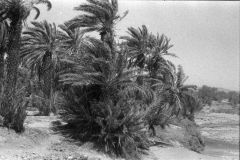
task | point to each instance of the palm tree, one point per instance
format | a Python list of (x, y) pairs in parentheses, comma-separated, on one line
[(100, 16), (41, 52), (159, 48), (146, 48), (17, 12), (99, 103), (138, 43), (178, 96), (175, 98), (97, 66), (71, 39), (147, 51), (187, 95)]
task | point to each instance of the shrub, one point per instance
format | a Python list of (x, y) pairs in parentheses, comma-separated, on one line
[(17, 113), (118, 128), (193, 139), (158, 115), (39, 102), (14, 116)]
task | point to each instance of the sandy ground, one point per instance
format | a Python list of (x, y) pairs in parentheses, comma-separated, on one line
[(39, 142)]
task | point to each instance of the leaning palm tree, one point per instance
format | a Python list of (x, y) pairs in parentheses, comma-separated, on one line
[(41, 53), (17, 12), (100, 16)]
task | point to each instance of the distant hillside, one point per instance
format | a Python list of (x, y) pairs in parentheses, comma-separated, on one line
[(208, 94), (224, 90)]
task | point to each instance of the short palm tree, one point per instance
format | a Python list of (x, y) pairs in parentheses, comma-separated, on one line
[(41, 52), (99, 103), (17, 12)]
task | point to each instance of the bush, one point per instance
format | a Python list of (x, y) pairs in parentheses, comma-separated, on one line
[(39, 101), (14, 116), (158, 115), (17, 113), (116, 127), (41, 104), (193, 138)]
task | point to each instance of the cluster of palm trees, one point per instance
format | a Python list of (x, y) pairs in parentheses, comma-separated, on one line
[(13, 14), (106, 91)]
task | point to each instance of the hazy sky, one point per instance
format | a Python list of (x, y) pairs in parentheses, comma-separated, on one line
[(205, 34)]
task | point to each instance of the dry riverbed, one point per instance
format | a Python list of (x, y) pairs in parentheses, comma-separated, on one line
[(221, 132)]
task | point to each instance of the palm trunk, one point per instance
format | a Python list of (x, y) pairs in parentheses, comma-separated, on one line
[(48, 80), (3, 34), (12, 69), (1, 77), (108, 37), (1, 64), (1, 73)]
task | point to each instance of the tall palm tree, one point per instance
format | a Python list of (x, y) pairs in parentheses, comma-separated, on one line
[(100, 16), (41, 52), (16, 11)]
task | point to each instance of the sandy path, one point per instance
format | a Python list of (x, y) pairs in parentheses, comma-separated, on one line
[(39, 142)]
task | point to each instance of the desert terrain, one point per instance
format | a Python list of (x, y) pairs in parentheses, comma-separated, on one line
[(39, 142)]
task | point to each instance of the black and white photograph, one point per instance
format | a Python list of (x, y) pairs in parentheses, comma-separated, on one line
[(119, 80)]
